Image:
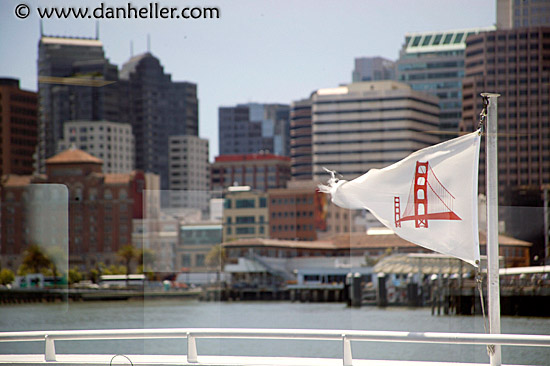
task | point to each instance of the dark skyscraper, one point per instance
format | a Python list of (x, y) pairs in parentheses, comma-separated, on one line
[(300, 140), (157, 108), (75, 81), (253, 128)]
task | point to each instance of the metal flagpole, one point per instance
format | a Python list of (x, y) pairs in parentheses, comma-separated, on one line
[(491, 169)]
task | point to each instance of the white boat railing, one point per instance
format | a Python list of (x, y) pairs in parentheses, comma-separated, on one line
[(344, 336)]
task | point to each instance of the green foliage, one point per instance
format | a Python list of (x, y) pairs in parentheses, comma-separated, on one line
[(6, 276), (34, 261), (113, 269), (94, 274), (75, 275), (127, 253)]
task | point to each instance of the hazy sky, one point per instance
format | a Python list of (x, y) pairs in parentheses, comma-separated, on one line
[(257, 51)]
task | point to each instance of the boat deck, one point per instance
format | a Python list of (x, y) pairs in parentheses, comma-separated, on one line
[(194, 335), (172, 360)]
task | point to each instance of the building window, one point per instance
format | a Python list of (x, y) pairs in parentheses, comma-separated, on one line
[(244, 220), (245, 203), (245, 230), (199, 260), (186, 260)]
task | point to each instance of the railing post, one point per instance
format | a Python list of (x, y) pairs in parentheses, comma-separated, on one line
[(191, 349), (348, 359), (49, 354)]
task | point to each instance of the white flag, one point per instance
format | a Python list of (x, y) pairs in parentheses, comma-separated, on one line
[(429, 198)]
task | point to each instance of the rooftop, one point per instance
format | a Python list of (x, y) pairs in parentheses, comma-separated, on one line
[(440, 41), (73, 155), (250, 157), (12, 180), (71, 41)]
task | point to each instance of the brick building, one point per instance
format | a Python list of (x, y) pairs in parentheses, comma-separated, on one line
[(259, 171), (515, 64), (100, 210), (18, 128)]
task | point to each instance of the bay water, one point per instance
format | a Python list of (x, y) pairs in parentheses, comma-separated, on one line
[(194, 314)]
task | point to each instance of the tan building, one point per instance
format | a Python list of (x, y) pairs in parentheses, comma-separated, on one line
[(367, 125), (18, 128), (189, 173), (245, 214), (112, 142)]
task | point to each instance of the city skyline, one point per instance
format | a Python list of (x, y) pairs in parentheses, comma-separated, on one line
[(256, 52)]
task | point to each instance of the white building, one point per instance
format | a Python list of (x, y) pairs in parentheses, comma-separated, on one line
[(159, 237), (113, 142), (370, 125), (189, 173)]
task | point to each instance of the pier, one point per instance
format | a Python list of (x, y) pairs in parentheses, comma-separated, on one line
[(21, 296)]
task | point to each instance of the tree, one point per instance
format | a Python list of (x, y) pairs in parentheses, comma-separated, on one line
[(58, 259), (127, 253), (74, 275), (34, 261), (216, 258), (6, 276)]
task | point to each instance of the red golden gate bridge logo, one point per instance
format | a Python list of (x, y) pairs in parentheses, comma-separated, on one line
[(426, 188)]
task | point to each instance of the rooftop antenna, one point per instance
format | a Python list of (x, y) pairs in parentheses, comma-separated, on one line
[(131, 48), (41, 29), (97, 30), (148, 43)]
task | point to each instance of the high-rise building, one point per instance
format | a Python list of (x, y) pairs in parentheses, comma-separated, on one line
[(259, 171), (75, 82), (515, 64), (433, 62), (157, 108), (370, 125), (524, 13), (373, 69), (254, 128), (18, 128), (189, 172), (300, 140), (112, 142)]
